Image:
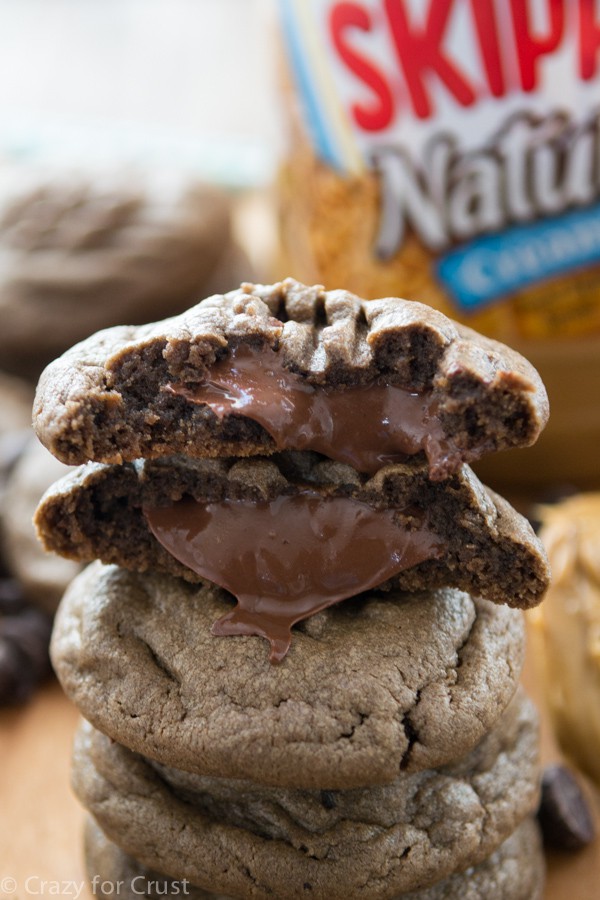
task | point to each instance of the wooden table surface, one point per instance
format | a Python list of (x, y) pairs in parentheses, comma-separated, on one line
[(40, 820)]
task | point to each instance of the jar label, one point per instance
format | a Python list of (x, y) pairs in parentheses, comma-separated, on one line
[(480, 120)]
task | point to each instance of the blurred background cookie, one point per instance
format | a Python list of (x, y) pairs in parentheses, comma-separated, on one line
[(16, 399), (31, 581), (43, 576), (80, 251)]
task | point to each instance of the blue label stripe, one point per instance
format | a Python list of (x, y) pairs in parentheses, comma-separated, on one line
[(315, 115), (497, 265)]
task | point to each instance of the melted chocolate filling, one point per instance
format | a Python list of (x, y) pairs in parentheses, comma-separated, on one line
[(365, 426), (286, 559)]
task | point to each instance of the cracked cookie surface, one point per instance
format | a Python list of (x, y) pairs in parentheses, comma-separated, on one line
[(108, 398), (515, 871), (370, 687), (239, 838)]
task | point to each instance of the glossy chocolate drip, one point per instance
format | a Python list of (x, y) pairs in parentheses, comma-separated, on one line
[(366, 426), (287, 559)]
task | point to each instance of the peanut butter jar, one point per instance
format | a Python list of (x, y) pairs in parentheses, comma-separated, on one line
[(449, 152)]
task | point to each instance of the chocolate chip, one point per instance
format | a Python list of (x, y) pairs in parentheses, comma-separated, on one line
[(30, 632), (557, 493), (24, 639), (328, 799), (564, 814), (15, 686), (12, 600)]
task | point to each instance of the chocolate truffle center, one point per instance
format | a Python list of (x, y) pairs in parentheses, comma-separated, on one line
[(366, 426), (291, 557)]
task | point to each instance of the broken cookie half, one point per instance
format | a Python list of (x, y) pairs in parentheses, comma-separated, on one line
[(290, 367), (292, 534)]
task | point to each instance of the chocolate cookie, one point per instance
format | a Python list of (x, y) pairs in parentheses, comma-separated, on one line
[(452, 533), (515, 871), (234, 837), (42, 575), (291, 367), (370, 688), (82, 251)]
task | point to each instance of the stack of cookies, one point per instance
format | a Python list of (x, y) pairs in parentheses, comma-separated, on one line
[(290, 464)]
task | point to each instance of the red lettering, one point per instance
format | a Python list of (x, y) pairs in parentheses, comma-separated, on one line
[(529, 48), (484, 16), (589, 39), (420, 53), (379, 114)]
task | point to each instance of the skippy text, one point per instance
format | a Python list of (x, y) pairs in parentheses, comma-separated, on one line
[(510, 41), (488, 85), (477, 117)]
